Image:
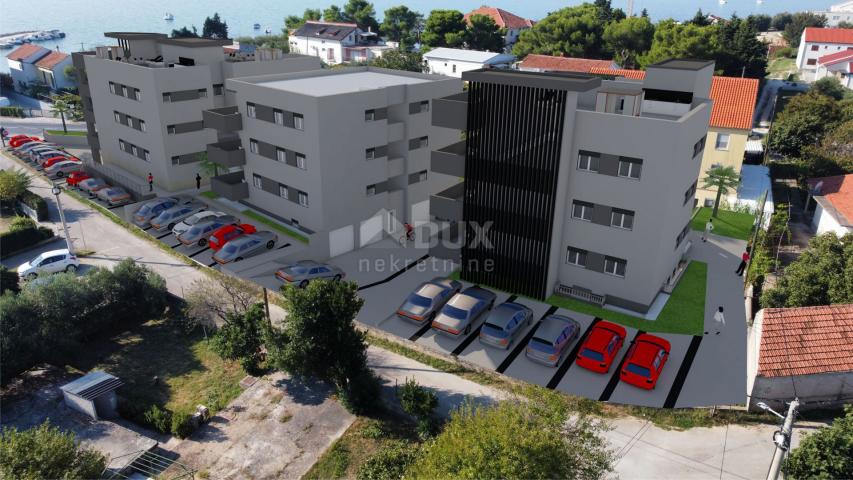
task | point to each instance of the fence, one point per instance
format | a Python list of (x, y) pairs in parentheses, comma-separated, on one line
[(114, 177), (579, 294)]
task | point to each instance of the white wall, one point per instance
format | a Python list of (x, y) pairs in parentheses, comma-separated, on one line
[(824, 222), (443, 66), (806, 53)]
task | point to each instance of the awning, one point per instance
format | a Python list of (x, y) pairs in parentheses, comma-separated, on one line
[(754, 146)]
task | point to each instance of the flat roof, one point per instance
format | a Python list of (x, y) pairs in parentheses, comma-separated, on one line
[(683, 64), (338, 83), (575, 82), (135, 35), (92, 385), (196, 42)]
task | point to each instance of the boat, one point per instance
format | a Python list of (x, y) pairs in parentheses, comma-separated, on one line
[(58, 33), (168, 17), (6, 45), (257, 26), (723, 2), (759, 1), (268, 30)]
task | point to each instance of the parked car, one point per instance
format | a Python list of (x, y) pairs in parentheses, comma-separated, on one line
[(423, 304), (61, 169), (462, 310), (172, 216), (26, 147), (29, 154), (49, 262), (16, 142), (40, 156), (552, 339), (201, 231), (59, 158), (245, 246), (601, 347), (188, 222), (304, 271), (114, 196), (76, 177), (645, 361), (92, 185), (504, 324), (152, 208), (227, 233)]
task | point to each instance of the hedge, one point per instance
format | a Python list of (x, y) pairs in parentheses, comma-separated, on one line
[(14, 241), (35, 202), (11, 112)]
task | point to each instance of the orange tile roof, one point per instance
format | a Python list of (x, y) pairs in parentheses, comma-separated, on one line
[(619, 72), (563, 64), (829, 35), (838, 191), (51, 60), (502, 18), (25, 51), (837, 57), (805, 341)]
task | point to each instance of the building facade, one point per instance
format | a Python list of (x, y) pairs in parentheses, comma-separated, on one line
[(574, 184), (22, 65), (341, 154), (143, 100), (51, 71), (833, 197), (336, 43), (837, 65), (511, 24), (840, 12), (818, 42), (453, 62)]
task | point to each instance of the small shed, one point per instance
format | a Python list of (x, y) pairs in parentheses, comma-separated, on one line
[(93, 394)]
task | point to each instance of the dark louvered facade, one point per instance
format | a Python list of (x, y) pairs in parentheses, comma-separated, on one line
[(514, 134)]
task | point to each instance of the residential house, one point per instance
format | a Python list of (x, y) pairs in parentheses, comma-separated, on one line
[(840, 12), (833, 198), (454, 61), (336, 43), (801, 352), (22, 65), (838, 65), (51, 69), (511, 24), (548, 63), (819, 42)]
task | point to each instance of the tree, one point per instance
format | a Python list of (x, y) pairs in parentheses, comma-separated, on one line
[(213, 300), (292, 22), (781, 20), (822, 275), (700, 19), (184, 32), (214, 27), (484, 34), (402, 25), (793, 31), (644, 13), (836, 147), (514, 439), (803, 122), (319, 339), (70, 72), (572, 31), (444, 28), (843, 24), (9, 280), (62, 105), (12, 184), (240, 338), (399, 60), (722, 179), (826, 453), (46, 452), (333, 13), (672, 40), (629, 38), (831, 87), (420, 403), (760, 21), (362, 13), (739, 50)]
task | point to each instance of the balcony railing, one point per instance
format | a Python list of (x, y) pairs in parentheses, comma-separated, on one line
[(224, 119), (227, 154), (451, 112), (447, 204), (449, 160), (231, 185)]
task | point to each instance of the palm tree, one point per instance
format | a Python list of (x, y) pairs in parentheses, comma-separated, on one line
[(723, 179), (208, 167), (62, 105)]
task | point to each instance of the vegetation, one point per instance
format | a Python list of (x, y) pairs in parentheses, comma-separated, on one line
[(420, 403), (484, 34), (360, 12), (70, 133), (184, 32), (13, 183), (766, 247), (213, 300), (830, 87), (241, 338), (628, 38), (444, 28), (9, 280), (214, 27), (572, 31), (399, 60), (804, 121), (274, 225), (292, 22), (674, 40), (826, 453), (721, 179), (793, 29), (64, 105), (265, 41), (726, 223), (401, 25), (389, 463), (23, 236), (11, 112), (46, 452)]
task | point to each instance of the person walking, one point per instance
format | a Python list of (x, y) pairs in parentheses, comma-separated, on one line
[(150, 182), (708, 228), (720, 319), (197, 181), (744, 258)]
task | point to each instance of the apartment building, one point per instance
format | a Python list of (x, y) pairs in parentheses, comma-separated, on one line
[(342, 154), (819, 42), (578, 185), (143, 99), (838, 13)]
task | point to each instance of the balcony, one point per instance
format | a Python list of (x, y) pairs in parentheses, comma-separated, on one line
[(227, 154), (224, 119), (449, 160), (451, 112), (447, 204), (230, 185)]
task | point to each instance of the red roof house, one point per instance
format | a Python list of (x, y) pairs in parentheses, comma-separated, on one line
[(502, 18), (828, 35), (27, 52), (545, 63), (51, 60), (834, 198)]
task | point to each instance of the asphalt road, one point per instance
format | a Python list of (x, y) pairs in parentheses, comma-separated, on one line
[(36, 125)]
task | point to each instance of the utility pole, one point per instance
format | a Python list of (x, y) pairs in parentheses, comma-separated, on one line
[(56, 191), (782, 439)]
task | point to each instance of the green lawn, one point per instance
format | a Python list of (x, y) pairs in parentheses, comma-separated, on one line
[(781, 67), (209, 194), (274, 225), (726, 223), (72, 133)]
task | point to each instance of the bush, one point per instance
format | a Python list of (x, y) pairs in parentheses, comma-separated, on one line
[(21, 223), (35, 202), (159, 419), (46, 452), (785, 52), (826, 453), (182, 425), (14, 241), (389, 463), (9, 280), (361, 395), (419, 402), (11, 112)]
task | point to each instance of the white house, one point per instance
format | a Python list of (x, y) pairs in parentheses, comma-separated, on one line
[(512, 24), (337, 42), (841, 12), (819, 42), (22, 65), (834, 204), (453, 61), (838, 65), (51, 70)]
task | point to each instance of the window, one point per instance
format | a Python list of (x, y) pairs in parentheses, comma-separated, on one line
[(576, 256), (256, 181), (811, 61), (588, 161), (124, 91), (369, 115), (117, 117), (253, 145), (682, 235), (689, 193), (112, 88), (722, 141), (134, 150), (202, 93), (137, 94), (218, 89), (170, 129), (622, 219), (370, 153), (615, 266), (422, 175), (699, 146), (424, 106), (147, 155), (279, 116), (176, 160), (300, 161), (814, 48), (371, 190), (142, 125), (250, 110), (582, 210), (282, 191), (281, 155), (454, 68), (298, 121), (121, 145), (630, 167), (303, 199), (167, 97)]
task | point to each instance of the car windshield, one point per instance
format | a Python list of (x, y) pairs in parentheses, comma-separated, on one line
[(37, 259), (542, 345), (419, 300), (638, 370), (592, 355), (144, 210), (454, 312), (114, 191), (494, 330), (299, 270), (194, 231), (230, 249)]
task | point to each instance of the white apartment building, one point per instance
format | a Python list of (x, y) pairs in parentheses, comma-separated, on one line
[(841, 12), (453, 61), (819, 42), (336, 43)]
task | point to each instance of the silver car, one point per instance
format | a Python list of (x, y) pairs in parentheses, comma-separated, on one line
[(458, 315), (245, 246), (170, 217), (114, 196), (193, 219), (64, 167), (302, 272), (201, 231), (504, 324), (92, 185), (150, 209), (552, 339), (423, 304)]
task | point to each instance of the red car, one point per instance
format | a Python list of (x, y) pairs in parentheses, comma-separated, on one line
[(644, 361), (17, 142), (227, 233), (50, 161), (76, 177), (601, 347)]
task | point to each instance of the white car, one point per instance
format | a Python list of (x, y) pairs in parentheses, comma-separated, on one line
[(53, 261), (194, 219), (63, 168)]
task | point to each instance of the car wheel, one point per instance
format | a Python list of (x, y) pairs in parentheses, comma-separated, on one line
[(202, 242), (71, 268), (32, 276), (238, 259), (337, 278), (270, 244), (60, 174), (170, 226), (468, 329), (303, 284)]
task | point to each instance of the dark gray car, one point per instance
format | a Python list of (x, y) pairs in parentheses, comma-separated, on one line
[(245, 246), (201, 231), (552, 339), (504, 323), (302, 272), (152, 208)]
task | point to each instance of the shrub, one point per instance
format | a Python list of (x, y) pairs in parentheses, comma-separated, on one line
[(14, 241), (389, 463), (825, 453), (785, 52), (21, 223), (9, 280), (35, 202), (46, 452), (158, 419), (182, 425), (361, 395), (419, 402), (11, 112)]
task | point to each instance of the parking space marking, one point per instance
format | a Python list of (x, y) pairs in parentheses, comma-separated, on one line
[(213, 264), (395, 274), (614, 379), (683, 370), (570, 360), (421, 331), (200, 251), (163, 236), (523, 343)]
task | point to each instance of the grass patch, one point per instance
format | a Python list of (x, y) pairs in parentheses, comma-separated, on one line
[(209, 194), (726, 223), (69, 133), (274, 225), (781, 67), (687, 418)]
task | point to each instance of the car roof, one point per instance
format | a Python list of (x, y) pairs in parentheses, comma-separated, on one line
[(644, 353), (430, 290), (552, 326), (478, 292), (50, 253), (463, 301), (241, 240), (503, 313)]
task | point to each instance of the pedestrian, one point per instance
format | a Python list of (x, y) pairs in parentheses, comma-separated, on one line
[(720, 319), (708, 228), (197, 181), (744, 258), (150, 182)]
